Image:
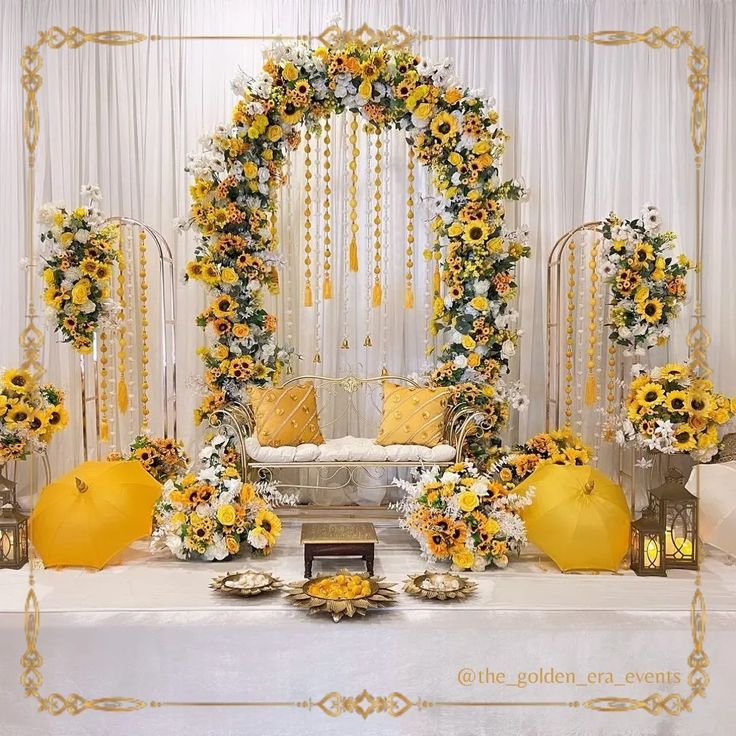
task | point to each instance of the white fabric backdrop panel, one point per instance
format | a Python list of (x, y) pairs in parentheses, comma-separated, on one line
[(593, 128)]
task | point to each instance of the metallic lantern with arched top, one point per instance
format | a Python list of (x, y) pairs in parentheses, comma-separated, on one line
[(13, 537), (677, 512), (647, 545)]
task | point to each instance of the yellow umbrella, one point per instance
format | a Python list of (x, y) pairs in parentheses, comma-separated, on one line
[(90, 514), (579, 517)]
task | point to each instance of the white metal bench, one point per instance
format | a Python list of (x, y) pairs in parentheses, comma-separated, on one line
[(340, 458)]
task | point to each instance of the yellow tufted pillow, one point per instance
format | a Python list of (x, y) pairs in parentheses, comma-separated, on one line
[(412, 416), (286, 415)]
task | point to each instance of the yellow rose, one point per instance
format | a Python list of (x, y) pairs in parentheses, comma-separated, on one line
[(79, 213), (642, 294), (80, 291), (495, 245), (59, 218), (455, 229), (274, 133), (365, 90), (473, 360), (722, 416), (261, 122), (290, 72), (253, 132), (491, 527), (48, 276), (66, 239), (178, 519), (226, 514), (468, 342), (463, 559), (468, 501), (423, 111), (232, 544), (247, 493), (474, 195), (479, 302), (228, 275), (481, 147), (455, 158), (250, 169), (453, 95)]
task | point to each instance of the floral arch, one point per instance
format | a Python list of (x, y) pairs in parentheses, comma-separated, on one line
[(451, 129)]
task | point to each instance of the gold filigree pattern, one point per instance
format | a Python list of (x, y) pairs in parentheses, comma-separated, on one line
[(396, 36), (394, 704)]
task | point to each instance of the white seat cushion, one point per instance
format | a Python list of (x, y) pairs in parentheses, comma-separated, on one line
[(347, 449)]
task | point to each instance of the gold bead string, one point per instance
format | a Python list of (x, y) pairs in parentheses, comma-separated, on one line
[(368, 341), (377, 294), (611, 383), (428, 290), (409, 291), (386, 227), (104, 389), (591, 387), (274, 287), (326, 214), (145, 348), (569, 335), (122, 389), (319, 242), (353, 198), (346, 229), (308, 301)]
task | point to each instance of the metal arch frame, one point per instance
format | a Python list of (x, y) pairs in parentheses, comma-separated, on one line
[(167, 336)]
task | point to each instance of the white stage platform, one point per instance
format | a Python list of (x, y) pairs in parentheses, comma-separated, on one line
[(150, 628)]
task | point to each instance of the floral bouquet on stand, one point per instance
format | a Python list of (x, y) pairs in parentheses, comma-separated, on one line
[(559, 447), (81, 251), (647, 283), (30, 414), (163, 457), (462, 515), (212, 514), (669, 410)]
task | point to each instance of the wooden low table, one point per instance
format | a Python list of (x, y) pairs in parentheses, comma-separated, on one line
[(353, 539)]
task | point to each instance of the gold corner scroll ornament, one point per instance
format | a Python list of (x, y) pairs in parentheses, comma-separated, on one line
[(365, 704)]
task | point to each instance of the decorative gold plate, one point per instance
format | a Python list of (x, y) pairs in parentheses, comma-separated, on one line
[(441, 586), (246, 583), (381, 595)]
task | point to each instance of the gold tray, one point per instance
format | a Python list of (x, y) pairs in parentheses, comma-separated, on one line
[(381, 595), (246, 583), (439, 586)]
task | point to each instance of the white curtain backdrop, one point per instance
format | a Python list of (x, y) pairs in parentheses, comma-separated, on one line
[(593, 128)]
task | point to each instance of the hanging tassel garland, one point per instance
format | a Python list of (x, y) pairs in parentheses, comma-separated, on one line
[(377, 294), (353, 191), (327, 287), (376, 301), (436, 279), (308, 301), (409, 298), (409, 295), (590, 383), (590, 390), (122, 395), (353, 254)]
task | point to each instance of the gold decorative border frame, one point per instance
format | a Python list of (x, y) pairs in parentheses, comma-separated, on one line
[(365, 704)]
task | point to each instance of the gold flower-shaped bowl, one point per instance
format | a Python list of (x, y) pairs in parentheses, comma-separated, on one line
[(441, 586), (381, 595), (246, 583)]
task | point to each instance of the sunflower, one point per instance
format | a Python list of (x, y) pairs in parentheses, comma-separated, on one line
[(458, 534), (88, 266), (651, 394), (290, 113), (444, 127), (651, 310), (56, 417), (21, 415), (684, 438), (437, 544), (476, 232), (224, 306), (699, 404), (17, 380), (270, 523), (673, 371), (676, 401), (643, 253)]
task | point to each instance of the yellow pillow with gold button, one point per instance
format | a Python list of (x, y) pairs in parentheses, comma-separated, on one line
[(286, 415), (412, 416)]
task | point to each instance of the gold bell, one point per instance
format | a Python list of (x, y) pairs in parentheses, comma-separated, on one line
[(367, 343), (317, 358), (384, 372), (345, 344)]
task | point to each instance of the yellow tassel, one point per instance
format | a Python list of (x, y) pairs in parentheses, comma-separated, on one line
[(436, 280), (409, 298), (590, 390), (308, 296), (275, 287), (377, 295), (122, 396), (353, 255), (327, 288), (104, 431)]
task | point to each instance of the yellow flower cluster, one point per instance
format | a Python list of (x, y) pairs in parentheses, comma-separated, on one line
[(30, 414), (688, 404), (163, 457), (340, 587)]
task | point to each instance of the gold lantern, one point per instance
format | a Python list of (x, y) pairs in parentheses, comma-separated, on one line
[(647, 545), (13, 537), (677, 512)]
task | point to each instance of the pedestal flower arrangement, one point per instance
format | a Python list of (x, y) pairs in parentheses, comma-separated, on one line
[(30, 414), (212, 515), (670, 410), (462, 515)]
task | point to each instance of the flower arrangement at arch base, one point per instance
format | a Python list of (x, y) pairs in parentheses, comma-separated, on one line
[(462, 515), (212, 515)]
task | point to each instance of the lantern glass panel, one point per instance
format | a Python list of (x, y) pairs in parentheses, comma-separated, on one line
[(7, 545)]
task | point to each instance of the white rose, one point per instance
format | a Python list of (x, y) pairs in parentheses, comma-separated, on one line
[(508, 349), (479, 563)]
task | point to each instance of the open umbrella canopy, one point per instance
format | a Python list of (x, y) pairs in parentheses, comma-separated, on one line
[(717, 504), (92, 513), (579, 517)]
